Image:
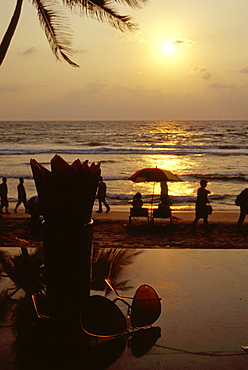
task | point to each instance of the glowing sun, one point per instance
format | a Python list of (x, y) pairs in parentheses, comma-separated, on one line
[(168, 47)]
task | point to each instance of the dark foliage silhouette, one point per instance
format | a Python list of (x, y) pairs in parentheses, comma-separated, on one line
[(56, 26)]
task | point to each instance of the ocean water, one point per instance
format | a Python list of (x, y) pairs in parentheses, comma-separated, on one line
[(215, 150)]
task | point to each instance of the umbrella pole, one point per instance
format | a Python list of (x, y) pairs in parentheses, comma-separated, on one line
[(152, 196)]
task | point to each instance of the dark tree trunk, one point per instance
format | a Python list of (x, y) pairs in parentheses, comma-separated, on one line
[(10, 31)]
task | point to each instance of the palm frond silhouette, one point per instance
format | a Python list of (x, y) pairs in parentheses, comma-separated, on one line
[(56, 26)]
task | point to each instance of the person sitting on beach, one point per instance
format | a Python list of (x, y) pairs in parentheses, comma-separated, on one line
[(137, 204), (202, 205), (242, 202), (163, 210), (21, 195), (137, 201), (4, 195), (33, 208)]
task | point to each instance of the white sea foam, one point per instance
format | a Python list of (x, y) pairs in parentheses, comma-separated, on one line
[(215, 150)]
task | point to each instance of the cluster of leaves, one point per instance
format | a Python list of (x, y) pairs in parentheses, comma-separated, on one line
[(56, 26), (110, 263), (23, 275)]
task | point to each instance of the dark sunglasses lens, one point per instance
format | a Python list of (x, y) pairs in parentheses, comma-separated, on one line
[(146, 307), (101, 317), (104, 354), (143, 340)]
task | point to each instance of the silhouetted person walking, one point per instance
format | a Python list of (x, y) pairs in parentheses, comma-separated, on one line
[(101, 194), (202, 208), (4, 195), (21, 195), (242, 202)]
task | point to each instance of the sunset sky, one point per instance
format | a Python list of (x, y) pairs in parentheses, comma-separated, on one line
[(188, 60)]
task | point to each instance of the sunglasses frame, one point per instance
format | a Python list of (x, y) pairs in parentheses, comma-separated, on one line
[(107, 301), (120, 314)]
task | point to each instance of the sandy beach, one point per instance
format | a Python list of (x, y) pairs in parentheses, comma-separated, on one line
[(112, 231)]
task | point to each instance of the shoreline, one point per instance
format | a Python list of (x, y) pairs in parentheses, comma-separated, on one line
[(121, 213)]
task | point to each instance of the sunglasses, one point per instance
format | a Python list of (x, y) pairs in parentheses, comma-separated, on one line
[(101, 317), (104, 353)]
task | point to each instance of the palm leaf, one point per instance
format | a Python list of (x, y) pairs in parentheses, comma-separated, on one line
[(110, 262), (6, 265), (6, 303), (132, 3), (102, 11), (56, 29), (25, 271), (28, 272)]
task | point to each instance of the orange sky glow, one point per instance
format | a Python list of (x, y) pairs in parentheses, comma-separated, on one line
[(188, 60)]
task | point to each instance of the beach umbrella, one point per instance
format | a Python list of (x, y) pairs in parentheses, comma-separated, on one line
[(154, 175)]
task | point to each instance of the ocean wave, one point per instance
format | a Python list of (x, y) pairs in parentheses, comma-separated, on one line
[(95, 143), (152, 150), (239, 177), (17, 176), (174, 199), (202, 147), (190, 177)]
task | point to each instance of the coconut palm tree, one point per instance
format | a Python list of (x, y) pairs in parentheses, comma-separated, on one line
[(56, 27)]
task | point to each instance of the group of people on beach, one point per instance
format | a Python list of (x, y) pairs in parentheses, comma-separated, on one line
[(21, 194), (202, 209), (22, 198)]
